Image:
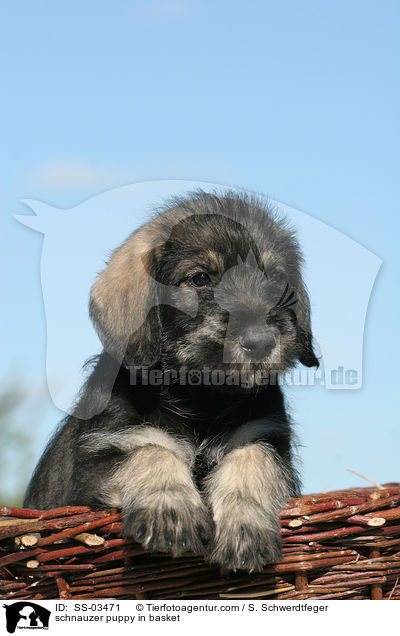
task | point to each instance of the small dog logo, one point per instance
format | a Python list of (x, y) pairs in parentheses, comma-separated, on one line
[(26, 615)]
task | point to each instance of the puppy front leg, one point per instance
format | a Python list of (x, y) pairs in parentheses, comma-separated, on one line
[(246, 491), (161, 505), (153, 484)]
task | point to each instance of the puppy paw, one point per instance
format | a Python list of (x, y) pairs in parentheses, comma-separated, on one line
[(245, 548), (169, 528), (245, 540)]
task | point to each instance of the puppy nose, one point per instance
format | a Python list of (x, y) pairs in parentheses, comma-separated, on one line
[(257, 344)]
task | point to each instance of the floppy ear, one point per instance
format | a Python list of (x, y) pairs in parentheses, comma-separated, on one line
[(124, 304), (305, 338)]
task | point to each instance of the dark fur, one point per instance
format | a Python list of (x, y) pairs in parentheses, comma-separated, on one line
[(219, 442)]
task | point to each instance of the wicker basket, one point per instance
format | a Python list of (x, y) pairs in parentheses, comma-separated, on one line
[(337, 545)]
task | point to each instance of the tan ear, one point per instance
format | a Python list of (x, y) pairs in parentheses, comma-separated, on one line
[(125, 299), (123, 302)]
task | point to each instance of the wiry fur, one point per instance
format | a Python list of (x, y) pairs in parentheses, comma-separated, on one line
[(194, 468), (245, 491)]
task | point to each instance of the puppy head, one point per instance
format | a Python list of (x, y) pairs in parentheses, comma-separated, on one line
[(228, 257)]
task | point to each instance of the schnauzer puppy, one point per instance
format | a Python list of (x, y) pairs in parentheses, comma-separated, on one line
[(182, 423)]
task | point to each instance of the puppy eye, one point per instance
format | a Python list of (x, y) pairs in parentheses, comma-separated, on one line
[(201, 280)]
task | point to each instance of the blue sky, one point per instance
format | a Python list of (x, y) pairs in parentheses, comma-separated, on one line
[(299, 101)]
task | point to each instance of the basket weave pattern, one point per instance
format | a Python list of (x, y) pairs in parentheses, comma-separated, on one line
[(336, 545)]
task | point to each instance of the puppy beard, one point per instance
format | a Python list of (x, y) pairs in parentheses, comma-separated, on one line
[(208, 349), (195, 345)]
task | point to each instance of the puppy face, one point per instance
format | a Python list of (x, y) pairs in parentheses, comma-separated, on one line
[(242, 267)]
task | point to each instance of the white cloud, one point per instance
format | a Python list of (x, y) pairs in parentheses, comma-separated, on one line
[(75, 172), (161, 10), (80, 174)]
